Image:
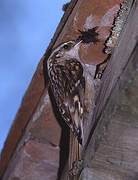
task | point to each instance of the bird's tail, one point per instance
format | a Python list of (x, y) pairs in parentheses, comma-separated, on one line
[(74, 157)]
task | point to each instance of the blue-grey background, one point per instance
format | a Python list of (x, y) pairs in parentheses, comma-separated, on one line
[(26, 27)]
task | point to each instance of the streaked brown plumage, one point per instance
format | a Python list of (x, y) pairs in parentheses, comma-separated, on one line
[(67, 83)]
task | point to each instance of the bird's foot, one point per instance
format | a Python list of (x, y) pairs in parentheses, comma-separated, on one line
[(76, 168)]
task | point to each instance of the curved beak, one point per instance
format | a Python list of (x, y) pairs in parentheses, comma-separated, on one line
[(78, 44)]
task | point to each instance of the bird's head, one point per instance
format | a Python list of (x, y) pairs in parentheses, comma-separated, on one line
[(68, 50)]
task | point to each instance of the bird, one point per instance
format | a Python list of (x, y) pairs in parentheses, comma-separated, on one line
[(67, 83)]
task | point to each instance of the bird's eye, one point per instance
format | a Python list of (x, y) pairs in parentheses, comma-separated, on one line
[(66, 46)]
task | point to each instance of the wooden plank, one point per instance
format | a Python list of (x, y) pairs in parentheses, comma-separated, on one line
[(121, 60)]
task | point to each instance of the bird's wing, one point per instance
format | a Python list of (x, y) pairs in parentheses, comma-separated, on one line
[(68, 92), (74, 96)]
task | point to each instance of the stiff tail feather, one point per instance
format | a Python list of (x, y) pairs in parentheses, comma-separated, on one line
[(74, 157)]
